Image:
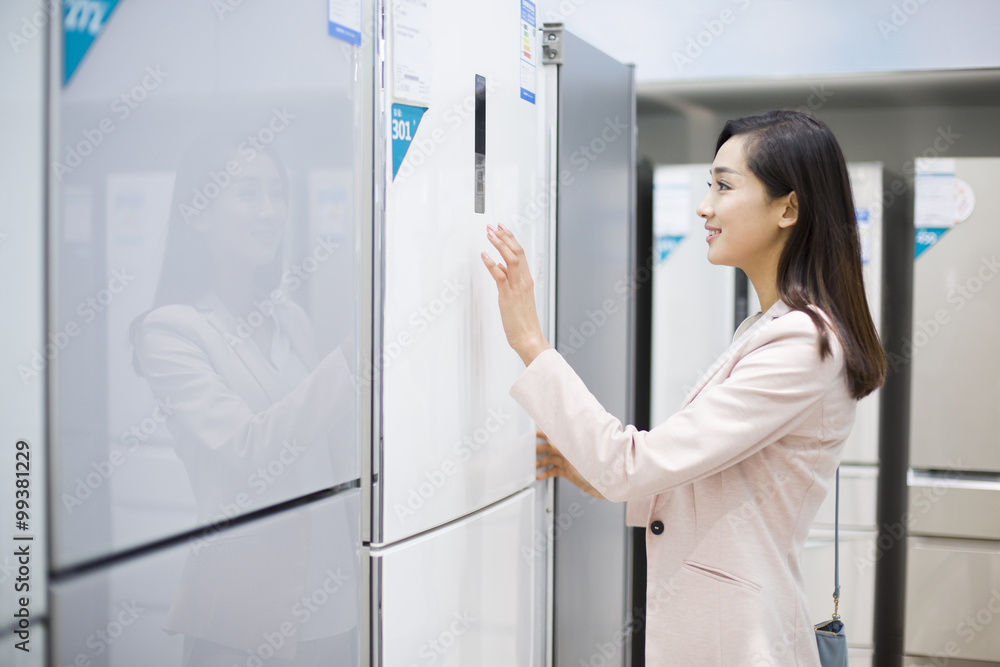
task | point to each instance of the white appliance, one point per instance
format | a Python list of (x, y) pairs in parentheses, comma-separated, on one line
[(452, 520), (206, 165), (953, 548)]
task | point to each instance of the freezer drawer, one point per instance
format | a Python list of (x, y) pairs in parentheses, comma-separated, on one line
[(950, 507), (860, 657), (857, 580), (285, 587), (919, 661), (462, 594), (858, 499), (956, 319), (953, 598)]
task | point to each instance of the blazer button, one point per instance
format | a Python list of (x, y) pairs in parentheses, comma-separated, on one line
[(656, 527)]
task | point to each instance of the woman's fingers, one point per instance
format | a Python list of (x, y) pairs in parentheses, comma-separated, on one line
[(506, 251), (549, 473), (497, 271), (546, 461), (508, 237)]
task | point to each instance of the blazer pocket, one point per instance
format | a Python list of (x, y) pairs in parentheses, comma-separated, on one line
[(722, 575)]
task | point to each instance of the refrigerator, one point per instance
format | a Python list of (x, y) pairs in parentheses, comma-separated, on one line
[(22, 415), (598, 281), (472, 561), (953, 535), (453, 525), (205, 314)]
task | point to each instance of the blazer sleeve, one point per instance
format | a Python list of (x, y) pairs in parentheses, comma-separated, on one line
[(179, 370), (770, 391)]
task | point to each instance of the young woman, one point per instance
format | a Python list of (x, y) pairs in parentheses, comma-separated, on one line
[(729, 485)]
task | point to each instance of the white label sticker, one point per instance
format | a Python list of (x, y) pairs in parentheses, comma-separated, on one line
[(934, 183), (672, 208), (344, 20), (411, 51)]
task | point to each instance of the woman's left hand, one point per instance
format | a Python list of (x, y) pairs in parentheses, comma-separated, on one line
[(516, 295)]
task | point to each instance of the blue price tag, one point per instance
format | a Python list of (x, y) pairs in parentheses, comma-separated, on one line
[(405, 120)]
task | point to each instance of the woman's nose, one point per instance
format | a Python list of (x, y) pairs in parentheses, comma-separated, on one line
[(704, 209)]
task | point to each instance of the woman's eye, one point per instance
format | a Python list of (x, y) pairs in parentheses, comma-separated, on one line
[(723, 186)]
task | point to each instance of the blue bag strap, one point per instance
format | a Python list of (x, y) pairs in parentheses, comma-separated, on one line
[(836, 549)]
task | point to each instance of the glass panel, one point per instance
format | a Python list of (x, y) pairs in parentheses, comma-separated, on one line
[(279, 591), (206, 270)]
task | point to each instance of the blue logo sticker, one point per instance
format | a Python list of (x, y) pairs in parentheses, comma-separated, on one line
[(83, 22), (405, 120), (926, 237), (664, 246)]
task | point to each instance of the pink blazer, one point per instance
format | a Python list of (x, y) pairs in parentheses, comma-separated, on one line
[(727, 488)]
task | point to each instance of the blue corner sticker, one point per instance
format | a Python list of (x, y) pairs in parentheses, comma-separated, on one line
[(664, 246), (83, 22), (405, 120), (926, 237)]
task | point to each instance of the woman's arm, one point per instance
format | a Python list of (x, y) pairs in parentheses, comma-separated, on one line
[(770, 392)]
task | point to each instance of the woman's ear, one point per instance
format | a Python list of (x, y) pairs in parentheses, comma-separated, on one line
[(790, 213)]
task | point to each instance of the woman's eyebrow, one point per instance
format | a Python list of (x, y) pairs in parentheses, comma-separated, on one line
[(722, 170)]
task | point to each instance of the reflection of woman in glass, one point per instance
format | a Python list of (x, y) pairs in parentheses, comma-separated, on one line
[(259, 419)]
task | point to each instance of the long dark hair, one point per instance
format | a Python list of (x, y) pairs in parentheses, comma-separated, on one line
[(820, 265)]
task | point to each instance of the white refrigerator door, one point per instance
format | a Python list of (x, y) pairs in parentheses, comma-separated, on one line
[(202, 271), (463, 594), (692, 299), (954, 419), (453, 440)]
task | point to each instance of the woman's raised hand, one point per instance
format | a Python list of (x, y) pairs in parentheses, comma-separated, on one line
[(516, 291), (551, 463)]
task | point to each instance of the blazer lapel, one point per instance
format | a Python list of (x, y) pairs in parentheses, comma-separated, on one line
[(226, 324), (735, 349)]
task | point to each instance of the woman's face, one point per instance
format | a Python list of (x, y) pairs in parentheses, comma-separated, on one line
[(746, 226), (247, 220)]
